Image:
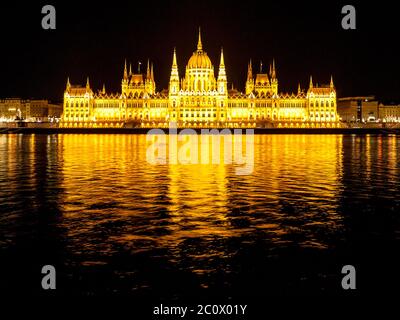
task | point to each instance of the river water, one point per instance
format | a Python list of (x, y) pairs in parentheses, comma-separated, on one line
[(113, 223)]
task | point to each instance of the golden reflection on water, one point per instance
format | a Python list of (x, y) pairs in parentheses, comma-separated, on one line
[(107, 178)]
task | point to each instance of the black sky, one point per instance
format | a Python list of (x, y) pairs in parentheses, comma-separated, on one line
[(93, 39)]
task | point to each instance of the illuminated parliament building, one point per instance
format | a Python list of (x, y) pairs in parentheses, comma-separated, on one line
[(200, 99)]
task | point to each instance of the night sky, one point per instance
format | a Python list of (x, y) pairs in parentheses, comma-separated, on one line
[(93, 39)]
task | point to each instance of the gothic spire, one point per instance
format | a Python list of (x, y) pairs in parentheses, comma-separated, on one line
[(174, 64), (249, 72), (222, 63), (148, 69), (125, 71), (273, 75)]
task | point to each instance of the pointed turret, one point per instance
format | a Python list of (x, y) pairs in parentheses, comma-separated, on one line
[(174, 64), (130, 69), (148, 76), (87, 83), (299, 89), (68, 84), (222, 81), (174, 78), (274, 79), (104, 89), (249, 71), (152, 73), (125, 72), (311, 83), (221, 62), (273, 72), (332, 86), (199, 44), (250, 80)]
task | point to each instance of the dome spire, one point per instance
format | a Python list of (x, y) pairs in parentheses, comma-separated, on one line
[(199, 44)]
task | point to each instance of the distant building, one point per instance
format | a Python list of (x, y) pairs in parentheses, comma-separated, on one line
[(389, 113), (29, 110), (358, 109)]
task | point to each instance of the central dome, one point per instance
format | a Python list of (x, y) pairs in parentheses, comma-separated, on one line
[(199, 59)]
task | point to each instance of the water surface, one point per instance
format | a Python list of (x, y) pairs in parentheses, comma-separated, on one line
[(112, 223)]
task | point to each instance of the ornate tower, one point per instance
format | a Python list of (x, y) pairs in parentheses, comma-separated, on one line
[(250, 80)]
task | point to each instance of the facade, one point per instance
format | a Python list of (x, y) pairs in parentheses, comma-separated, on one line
[(358, 109), (200, 99), (29, 110)]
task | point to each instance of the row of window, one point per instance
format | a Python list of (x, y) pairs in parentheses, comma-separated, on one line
[(323, 104), (203, 115)]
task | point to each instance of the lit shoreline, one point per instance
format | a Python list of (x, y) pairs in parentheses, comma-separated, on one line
[(363, 131)]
